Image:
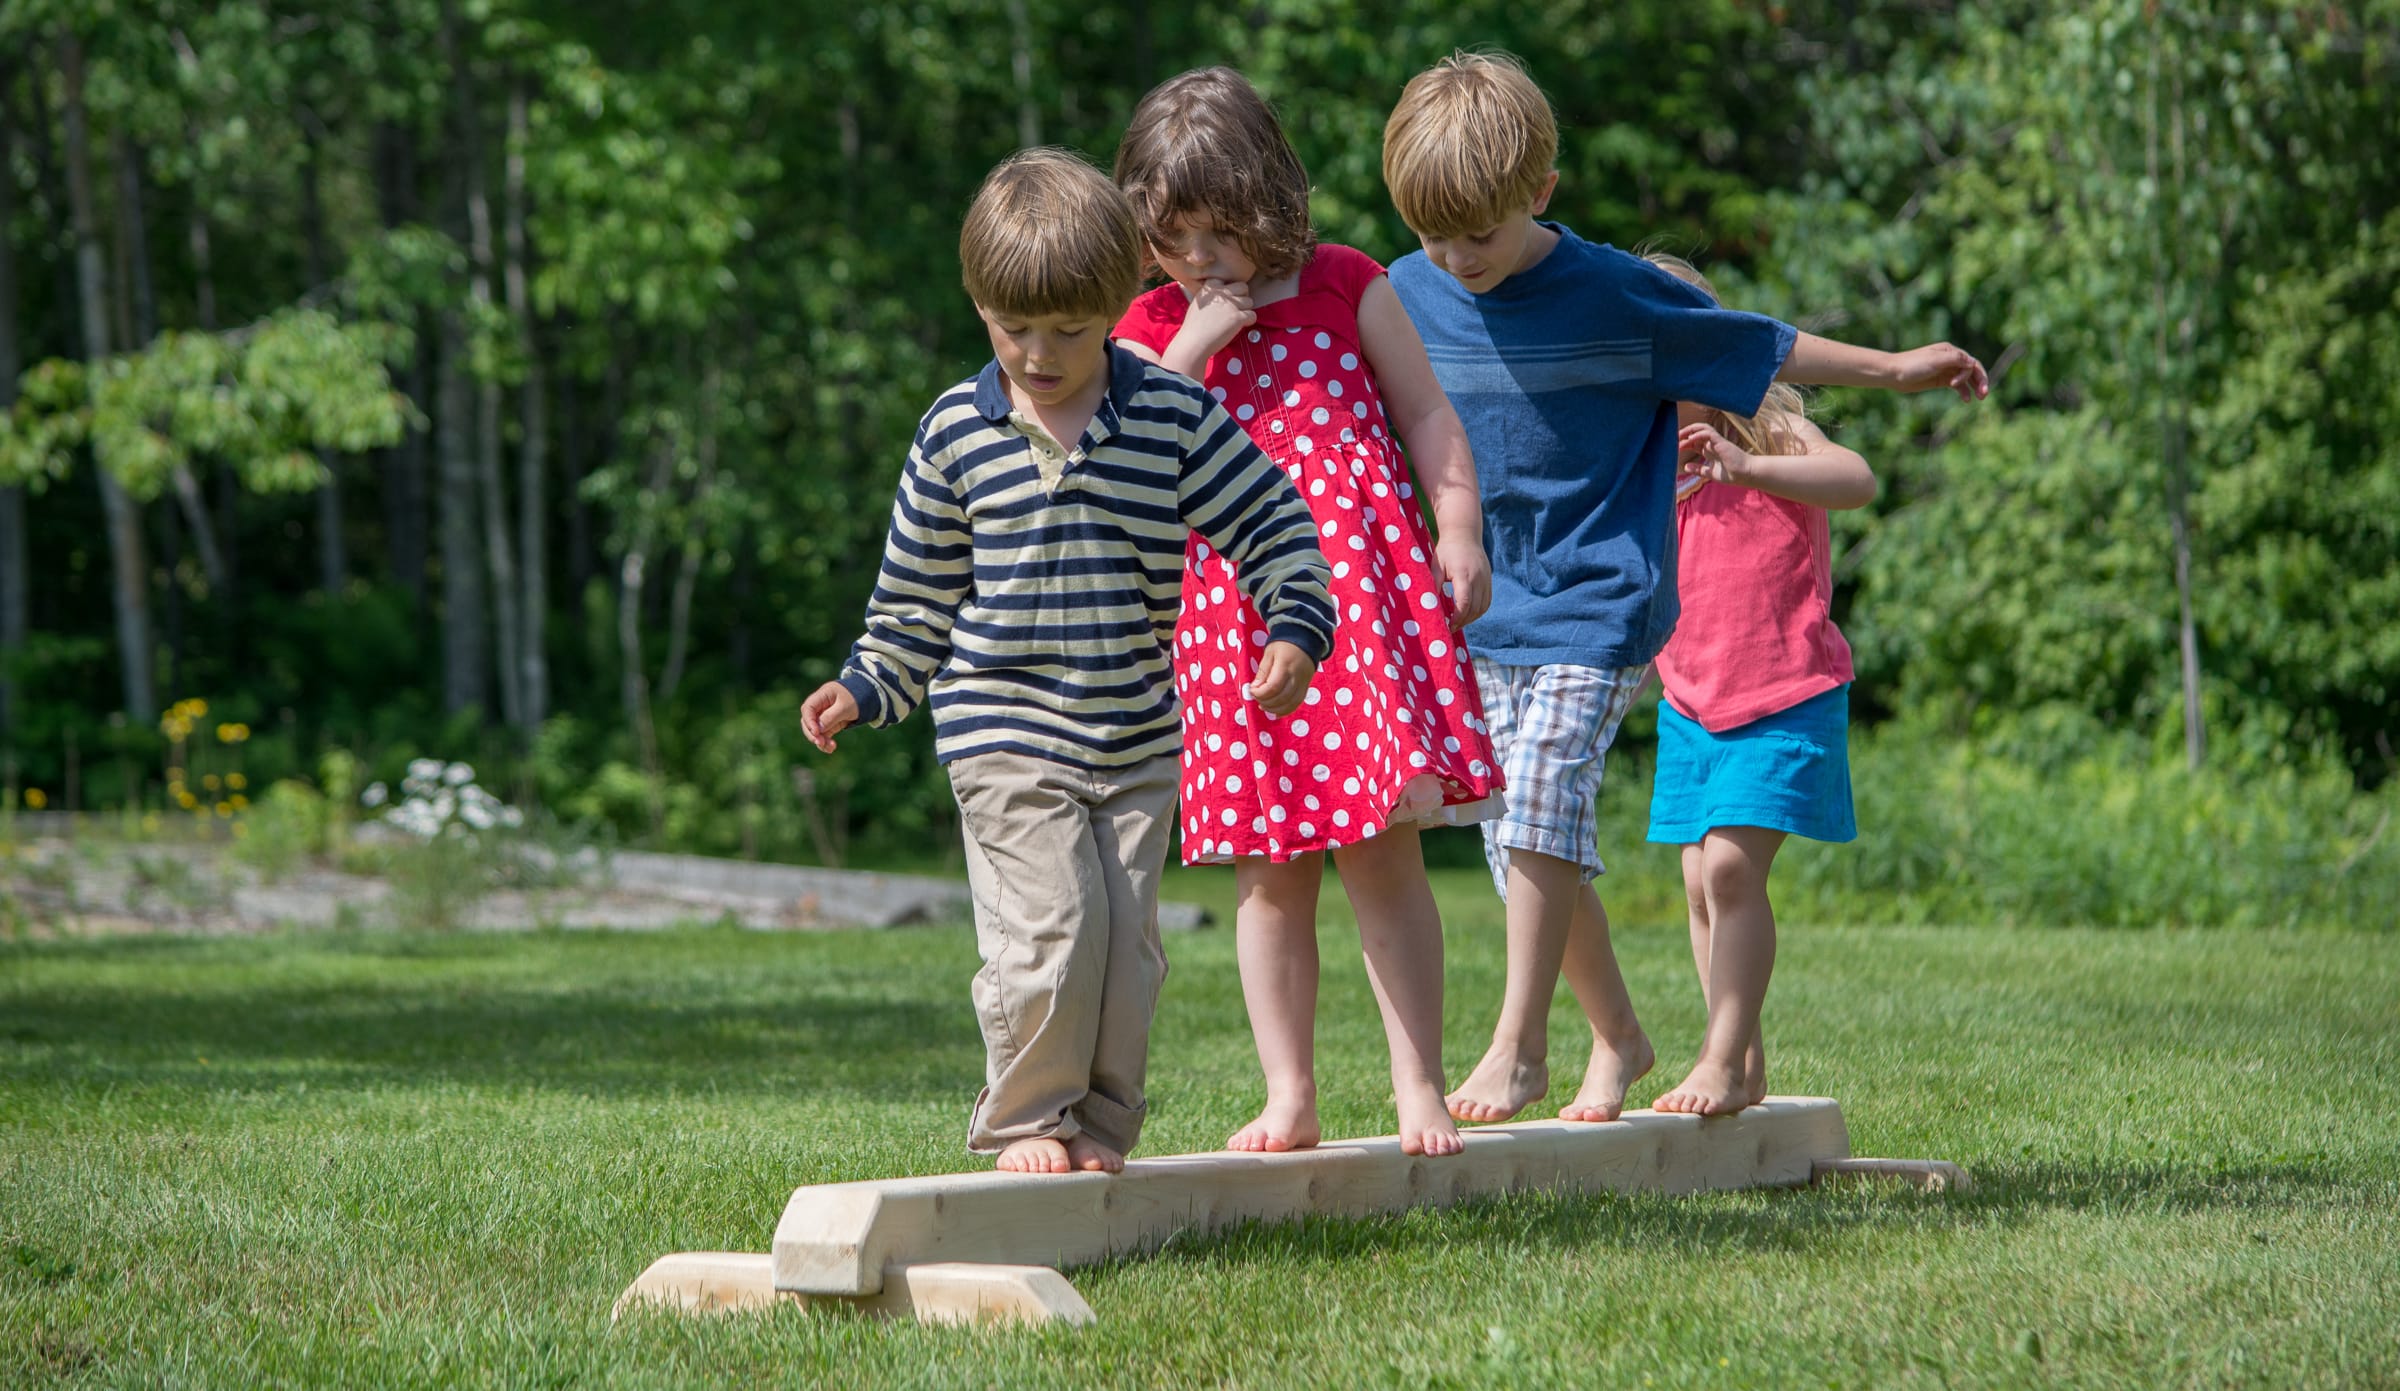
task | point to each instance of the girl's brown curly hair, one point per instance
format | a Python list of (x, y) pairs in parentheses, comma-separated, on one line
[(1206, 142)]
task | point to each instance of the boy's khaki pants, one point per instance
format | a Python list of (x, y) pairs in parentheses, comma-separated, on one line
[(1064, 865)]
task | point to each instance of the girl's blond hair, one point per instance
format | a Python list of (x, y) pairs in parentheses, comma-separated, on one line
[(1768, 432)]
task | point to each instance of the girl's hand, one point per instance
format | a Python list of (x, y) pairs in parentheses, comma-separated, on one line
[(1706, 454), (1467, 574), (1220, 309), (1940, 365), (1284, 672), (828, 711)]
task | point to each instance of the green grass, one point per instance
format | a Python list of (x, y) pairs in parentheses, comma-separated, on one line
[(362, 1159)]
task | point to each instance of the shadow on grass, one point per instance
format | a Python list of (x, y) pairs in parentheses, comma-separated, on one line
[(739, 1029), (1798, 1221)]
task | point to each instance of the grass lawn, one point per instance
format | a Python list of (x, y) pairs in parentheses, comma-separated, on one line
[(361, 1158)]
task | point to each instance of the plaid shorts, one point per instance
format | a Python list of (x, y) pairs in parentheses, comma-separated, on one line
[(1552, 726)]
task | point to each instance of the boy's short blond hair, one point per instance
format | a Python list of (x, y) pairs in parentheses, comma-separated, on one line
[(1049, 234), (1469, 145)]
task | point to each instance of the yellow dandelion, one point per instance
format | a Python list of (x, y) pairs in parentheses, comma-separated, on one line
[(196, 706), (236, 781), (184, 799), (36, 798), (209, 782), (150, 823), (224, 809), (239, 802), (241, 830)]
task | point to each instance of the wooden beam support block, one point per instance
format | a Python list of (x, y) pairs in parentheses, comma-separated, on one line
[(1931, 1175), (840, 1238), (704, 1282), (714, 1282)]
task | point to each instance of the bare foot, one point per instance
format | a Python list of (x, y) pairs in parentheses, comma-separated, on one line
[(1425, 1126), (1712, 1089), (1500, 1086), (1040, 1155), (1754, 1072), (1613, 1068), (1089, 1155), (1283, 1125)]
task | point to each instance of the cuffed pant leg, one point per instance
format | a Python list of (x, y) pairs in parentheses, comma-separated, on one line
[(1042, 926), (1131, 821)]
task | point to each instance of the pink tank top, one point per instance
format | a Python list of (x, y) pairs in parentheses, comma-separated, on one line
[(1755, 574)]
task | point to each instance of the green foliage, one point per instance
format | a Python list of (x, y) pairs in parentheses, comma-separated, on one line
[(284, 829)]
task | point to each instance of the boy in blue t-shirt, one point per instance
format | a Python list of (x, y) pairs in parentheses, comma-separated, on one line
[(1565, 359)]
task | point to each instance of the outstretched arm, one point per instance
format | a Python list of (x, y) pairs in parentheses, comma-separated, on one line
[(1821, 474), (1429, 429), (1818, 361)]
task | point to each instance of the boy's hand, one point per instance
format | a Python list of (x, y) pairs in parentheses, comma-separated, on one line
[(1467, 574), (1220, 309), (1703, 453), (1284, 672), (828, 711), (1940, 365)]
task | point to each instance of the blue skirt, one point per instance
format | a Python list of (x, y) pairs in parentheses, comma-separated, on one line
[(1789, 771)]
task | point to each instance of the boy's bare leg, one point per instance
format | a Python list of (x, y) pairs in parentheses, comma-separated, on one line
[(1084, 1152), (1515, 1070), (1275, 940), (1040, 1155), (1731, 1072), (1400, 931), (1621, 1052)]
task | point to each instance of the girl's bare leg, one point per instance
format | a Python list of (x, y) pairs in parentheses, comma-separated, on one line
[(1740, 958), (1400, 931), (1275, 940)]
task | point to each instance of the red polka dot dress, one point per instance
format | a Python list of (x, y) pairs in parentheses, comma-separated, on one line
[(1392, 729)]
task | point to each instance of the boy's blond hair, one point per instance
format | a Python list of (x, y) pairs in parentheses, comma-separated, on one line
[(1049, 234), (1468, 146), (1770, 430)]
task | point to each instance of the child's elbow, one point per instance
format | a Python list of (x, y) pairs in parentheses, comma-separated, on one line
[(1858, 490)]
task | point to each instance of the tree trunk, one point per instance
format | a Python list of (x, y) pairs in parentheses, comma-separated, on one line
[(533, 511), (333, 554), (133, 242), (463, 657), (13, 565), (1020, 63), (633, 679), (466, 129), (403, 465), (129, 569), (217, 562), (2165, 270)]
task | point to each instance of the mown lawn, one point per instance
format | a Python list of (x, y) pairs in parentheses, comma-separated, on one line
[(367, 1159)]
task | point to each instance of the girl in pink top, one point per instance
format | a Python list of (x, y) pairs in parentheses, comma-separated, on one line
[(1307, 346), (1753, 737)]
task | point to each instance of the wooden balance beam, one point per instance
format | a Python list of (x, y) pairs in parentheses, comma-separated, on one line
[(976, 1246)]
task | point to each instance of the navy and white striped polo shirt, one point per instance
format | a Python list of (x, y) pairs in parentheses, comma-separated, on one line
[(1039, 619)]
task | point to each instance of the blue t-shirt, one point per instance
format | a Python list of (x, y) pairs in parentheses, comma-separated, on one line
[(1566, 376)]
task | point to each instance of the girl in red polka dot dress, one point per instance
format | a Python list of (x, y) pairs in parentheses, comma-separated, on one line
[(1307, 346)]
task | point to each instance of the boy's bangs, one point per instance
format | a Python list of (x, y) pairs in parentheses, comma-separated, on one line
[(1026, 279)]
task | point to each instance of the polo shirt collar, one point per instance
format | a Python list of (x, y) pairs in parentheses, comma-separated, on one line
[(1125, 373)]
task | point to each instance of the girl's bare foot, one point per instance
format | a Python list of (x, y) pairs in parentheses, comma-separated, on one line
[(1283, 1125), (1754, 1072), (1425, 1126), (1040, 1155), (1089, 1155), (1500, 1086), (1712, 1089), (1613, 1069)]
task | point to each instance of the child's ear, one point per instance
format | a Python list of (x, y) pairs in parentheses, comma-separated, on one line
[(1541, 200)]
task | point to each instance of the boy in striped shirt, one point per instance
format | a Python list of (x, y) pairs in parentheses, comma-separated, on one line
[(1029, 592)]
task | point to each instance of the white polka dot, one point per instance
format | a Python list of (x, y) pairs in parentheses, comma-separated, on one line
[(1291, 398), (1350, 785), (1341, 818), (1305, 445), (1254, 335), (1344, 696), (1311, 803), (1277, 814), (1359, 410), (1245, 412), (1290, 757), (1308, 367), (1335, 389), (1341, 568), (1349, 362), (1314, 697), (1417, 759), (1324, 340), (1307, 830), (1299, 729), (1329, 528), (1477, 768), (1334, 740), (1317, 489), (1437, 647), (1445, 696), (1218, 392), (1229, 816), (1233, 783), (1233, 366), (1277, 352), (1432, 601), (1403, 581), (1320, 415), (1258, 824)]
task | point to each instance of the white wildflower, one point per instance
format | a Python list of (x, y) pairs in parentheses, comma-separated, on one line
[(375, 795), (458, 775)]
